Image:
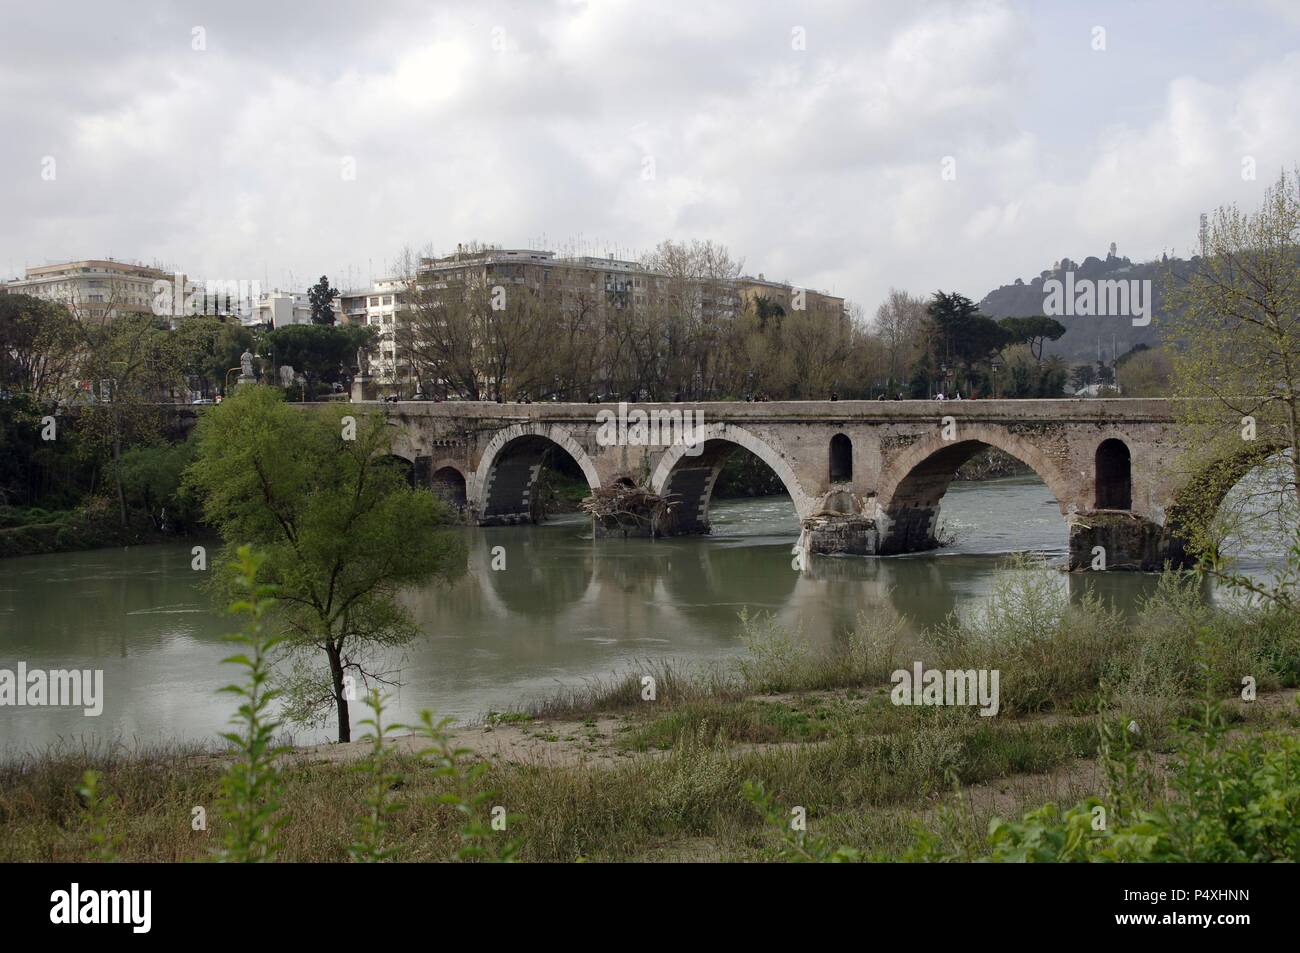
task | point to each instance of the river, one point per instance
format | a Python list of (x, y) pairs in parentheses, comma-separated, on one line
[(565, 609)]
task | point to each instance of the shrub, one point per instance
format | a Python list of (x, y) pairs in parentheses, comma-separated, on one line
[(1047, 649), (1228, 801)]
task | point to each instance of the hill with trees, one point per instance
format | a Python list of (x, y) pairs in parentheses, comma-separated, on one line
[(1088, 339)]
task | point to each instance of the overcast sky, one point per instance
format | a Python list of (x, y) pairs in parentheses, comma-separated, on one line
[(608, 126)]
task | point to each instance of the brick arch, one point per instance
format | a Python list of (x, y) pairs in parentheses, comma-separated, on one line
[(479, 486), (450, 463), (448, 482), (919, 470), (804, 504)]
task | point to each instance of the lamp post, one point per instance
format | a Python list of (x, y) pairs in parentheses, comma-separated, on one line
[(994, 365)]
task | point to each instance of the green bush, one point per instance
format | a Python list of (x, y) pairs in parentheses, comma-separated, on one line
[(1228, 801), (1046, 649)]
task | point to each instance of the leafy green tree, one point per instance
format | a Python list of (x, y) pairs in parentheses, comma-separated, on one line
[(210, 348), (322, 296), (1033, 331), (342, 531), (37, 346), (959, 335), (152, 477), (134, 362), (1234, 332), (1144, 372), (53, 473), (320, 353)]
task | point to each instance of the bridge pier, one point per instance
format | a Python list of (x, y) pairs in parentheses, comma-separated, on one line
[(909, 529), (843, 533), (1117, 539)]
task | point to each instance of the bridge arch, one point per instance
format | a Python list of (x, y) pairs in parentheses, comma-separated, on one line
[(689, 477), (914, 482), (447, 480), (1194, 506), (502, 485)]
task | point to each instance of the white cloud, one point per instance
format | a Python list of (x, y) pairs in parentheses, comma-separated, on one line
[(819, 165)]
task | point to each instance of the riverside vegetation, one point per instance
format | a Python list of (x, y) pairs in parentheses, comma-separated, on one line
[(1140, 723)]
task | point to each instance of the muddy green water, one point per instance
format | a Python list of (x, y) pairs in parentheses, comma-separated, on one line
[(567, 608)]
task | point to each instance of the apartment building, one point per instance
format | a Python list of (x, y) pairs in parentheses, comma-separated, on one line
[(278, 308), (380, 306), (540, 271), (94, 285), (791, 299), (613, 282)]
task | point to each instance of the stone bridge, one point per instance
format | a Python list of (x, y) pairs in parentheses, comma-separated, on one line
[(866, 477)]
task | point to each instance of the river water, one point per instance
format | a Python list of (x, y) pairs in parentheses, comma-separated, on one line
[(565, 609)]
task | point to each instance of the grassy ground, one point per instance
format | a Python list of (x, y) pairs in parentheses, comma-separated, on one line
[(606, 774)]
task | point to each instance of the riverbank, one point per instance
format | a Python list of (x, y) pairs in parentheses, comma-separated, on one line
[(34, 531), (608, 773)]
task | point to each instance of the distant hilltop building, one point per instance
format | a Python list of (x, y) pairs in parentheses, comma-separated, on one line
[(93, 286)]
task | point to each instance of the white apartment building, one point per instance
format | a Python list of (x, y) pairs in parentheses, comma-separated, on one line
[(380, 306), (94, 285), (278, 308)]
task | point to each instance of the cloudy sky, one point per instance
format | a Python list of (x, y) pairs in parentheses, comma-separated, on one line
[(278, 141)]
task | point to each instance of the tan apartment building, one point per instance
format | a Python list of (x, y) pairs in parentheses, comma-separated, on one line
[(94, 285), (617, 282), (789, 297), (593, 284)]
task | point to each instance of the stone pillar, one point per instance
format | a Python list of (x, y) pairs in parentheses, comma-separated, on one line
[(362, 388), (848, 533), (1114, 539), (909, 529)]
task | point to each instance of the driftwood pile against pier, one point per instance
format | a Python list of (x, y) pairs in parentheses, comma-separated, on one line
[(623, 510)]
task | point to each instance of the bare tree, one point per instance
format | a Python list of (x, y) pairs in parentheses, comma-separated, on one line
[(900, 320)]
